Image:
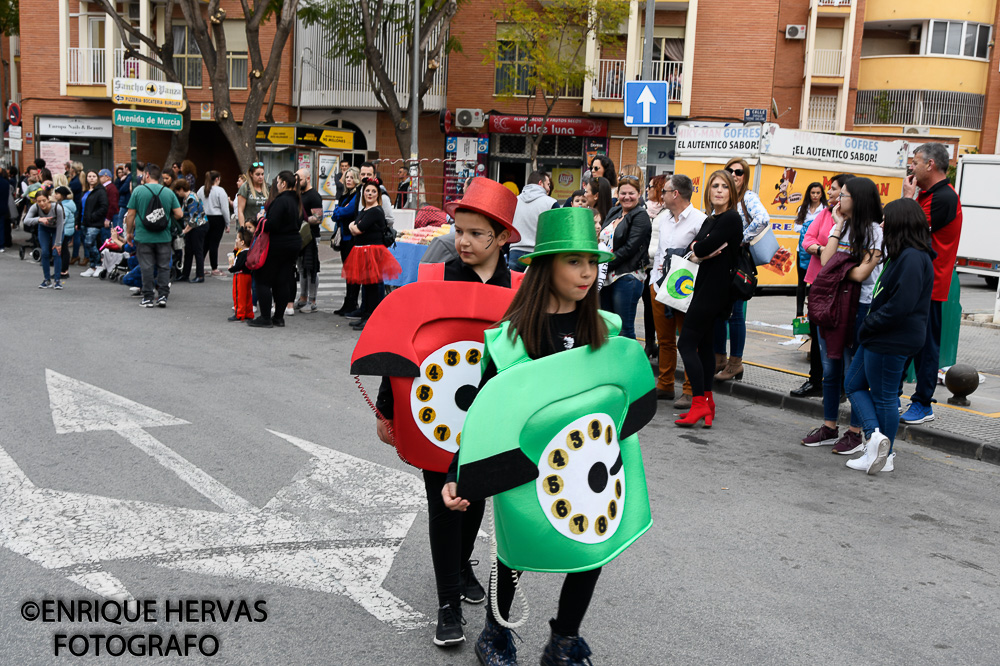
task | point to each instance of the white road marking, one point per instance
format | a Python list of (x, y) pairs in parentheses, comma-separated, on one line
[(335, 528), (80, 407)]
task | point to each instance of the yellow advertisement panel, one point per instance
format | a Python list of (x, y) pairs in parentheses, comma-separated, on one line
[(565, 182)]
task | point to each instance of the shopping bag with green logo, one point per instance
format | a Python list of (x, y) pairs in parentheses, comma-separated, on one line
[(677, 287), (800, 326)]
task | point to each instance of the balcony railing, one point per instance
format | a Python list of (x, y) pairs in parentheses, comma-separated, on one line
[(828, 62), (86, 67), (834, 3), (822, 113), (328, 81), (609, 82), (130, 68), (938, 108)]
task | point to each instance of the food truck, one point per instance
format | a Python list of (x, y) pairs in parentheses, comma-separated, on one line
[(783, 163)]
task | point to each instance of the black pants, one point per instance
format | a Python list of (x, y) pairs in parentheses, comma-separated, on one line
[(216, 227), (574, 600), (801, 289), (815, 358), (67, 245), (371, 296), (353, 290), (278, 286), (648, 326), (698, 351), (194, 248), (453, 536)]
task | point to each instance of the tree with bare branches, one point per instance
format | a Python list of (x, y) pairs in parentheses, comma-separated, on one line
[(540, 52), (362, 33)]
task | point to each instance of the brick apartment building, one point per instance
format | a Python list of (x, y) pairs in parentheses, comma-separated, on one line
[(913, 67)]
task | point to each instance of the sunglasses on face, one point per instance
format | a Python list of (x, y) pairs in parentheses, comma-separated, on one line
[(666, 191), (736, 172)]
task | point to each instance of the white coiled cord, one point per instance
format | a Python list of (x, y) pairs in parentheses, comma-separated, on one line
[(494, 573)]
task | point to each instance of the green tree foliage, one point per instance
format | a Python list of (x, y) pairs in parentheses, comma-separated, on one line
[(551, 38), (10, 22)]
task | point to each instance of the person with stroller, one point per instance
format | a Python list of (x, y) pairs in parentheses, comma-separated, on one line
[(49, 218)]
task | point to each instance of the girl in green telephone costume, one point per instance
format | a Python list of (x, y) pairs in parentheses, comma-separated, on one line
[(552, 435)]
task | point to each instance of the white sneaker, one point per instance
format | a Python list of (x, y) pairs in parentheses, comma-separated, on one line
[(289, 310), (876, 453), (888, 462), (135, 290), (88, 273), (97, 272)]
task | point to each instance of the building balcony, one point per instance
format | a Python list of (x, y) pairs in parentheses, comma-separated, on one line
[(822, 113), (955, 10), (828, 63), (87, 67), (609, 79), (920, 72), (132, 68), (833, 7), (919, 108), (333, 83)]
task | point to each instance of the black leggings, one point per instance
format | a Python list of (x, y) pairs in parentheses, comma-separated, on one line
[(696, 348), (453, 536), (574, 600), (801, 289), (648, 326), (353, 290), (216, 227)]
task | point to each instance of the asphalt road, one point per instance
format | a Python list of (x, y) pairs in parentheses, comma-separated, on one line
[(762, 551)]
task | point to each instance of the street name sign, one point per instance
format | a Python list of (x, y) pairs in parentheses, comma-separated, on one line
[(755, 115), (646, 103), (158, 120), (148, 93)]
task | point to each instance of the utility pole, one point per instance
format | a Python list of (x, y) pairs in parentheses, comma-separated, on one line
[(414, 198), (642, 150)]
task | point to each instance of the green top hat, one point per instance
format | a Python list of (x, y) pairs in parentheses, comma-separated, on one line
[(566, 230)]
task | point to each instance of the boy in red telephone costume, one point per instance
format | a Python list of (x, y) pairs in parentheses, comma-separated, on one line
[(426, 390)]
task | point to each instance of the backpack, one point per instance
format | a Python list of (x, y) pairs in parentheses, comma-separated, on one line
[(388, 235), (155, 219), (744, 277)]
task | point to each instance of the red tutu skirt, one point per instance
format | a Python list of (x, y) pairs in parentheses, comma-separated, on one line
[(370, 264)]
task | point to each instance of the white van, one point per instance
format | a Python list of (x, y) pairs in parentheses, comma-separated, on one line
[(977, 181)]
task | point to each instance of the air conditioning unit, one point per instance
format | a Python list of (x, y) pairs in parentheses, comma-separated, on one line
[(468, 118), (795, 32), (916, 129)]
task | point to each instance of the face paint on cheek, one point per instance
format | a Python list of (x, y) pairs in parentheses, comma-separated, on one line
[(492, 238)]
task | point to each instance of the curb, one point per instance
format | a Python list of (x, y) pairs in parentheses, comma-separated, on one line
[(943, 441)]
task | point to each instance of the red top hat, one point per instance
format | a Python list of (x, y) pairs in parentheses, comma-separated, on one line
[(490, 198)]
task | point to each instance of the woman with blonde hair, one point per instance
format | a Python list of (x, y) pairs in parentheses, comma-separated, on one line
[(717, 249), (252, 195), (755, 220)]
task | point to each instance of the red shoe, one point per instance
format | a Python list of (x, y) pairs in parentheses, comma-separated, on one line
[(699, 410), (711, 404)]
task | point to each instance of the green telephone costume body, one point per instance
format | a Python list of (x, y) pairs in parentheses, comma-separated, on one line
[(555, 440)]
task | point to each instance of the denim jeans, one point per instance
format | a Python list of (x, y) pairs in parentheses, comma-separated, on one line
[(91, 234), (46, 238), (833, 373), (512, 260), (78, 234), (737, 331), (622, 298), (871, 385)]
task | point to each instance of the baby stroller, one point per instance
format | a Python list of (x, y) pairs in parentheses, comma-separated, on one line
[(33, 247)]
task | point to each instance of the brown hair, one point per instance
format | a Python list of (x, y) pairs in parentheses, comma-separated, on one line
[(728, 177), (530, 320), (746, 175), (181, 185), (657, 183), (187, 167)]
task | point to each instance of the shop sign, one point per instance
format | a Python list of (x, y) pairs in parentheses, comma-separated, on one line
[(306, 137), (98, 128), (853, 150), (732, 141), (164, 94), (503, 124)]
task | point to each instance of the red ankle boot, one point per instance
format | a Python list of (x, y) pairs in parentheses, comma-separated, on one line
[(699, 410), (711, 405)]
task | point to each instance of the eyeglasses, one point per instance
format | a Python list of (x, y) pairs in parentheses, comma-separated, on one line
[(845, 194), (736, 172), (666, 191)]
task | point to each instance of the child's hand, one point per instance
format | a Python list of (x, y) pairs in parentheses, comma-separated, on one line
[(382, 429), (451, 500)]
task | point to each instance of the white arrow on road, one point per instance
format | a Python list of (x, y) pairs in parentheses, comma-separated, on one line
[(646, 98), (81, 407), (335, 528)]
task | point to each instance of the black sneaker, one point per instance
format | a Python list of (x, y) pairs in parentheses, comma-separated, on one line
[(161, 302), (472, 591), (449, 628), (809, 389), (354, 314), (146, 303), (260, 322)]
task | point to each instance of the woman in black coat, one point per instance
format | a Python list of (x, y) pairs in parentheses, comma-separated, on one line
[(95, 212), (276, 278), (627, 235), (717, 249)]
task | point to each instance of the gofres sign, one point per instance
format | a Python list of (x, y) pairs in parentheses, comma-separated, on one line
[(503, 124)]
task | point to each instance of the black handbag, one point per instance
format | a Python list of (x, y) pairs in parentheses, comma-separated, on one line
[(744, 276)]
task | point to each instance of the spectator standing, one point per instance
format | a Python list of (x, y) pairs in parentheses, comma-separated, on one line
[(312, 212), (112, 215), (814, 205), (627, 234), (939, 201), (370, 262), (64, 196), (275, 280), (124, 185), (252, 194), (167, 179), (602, 167), (368, 173), (48, 215), (894, 328), (75, 186), (531, 202), (755, 220), (402, 190), (679, 224), (654, 204), (344, 166), (95, 213), (153, 248), (215, 201), (598, 193), (343, 215), (190, 173), (195, 229)]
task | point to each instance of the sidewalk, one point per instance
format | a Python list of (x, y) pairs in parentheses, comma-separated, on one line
[(773, 367)]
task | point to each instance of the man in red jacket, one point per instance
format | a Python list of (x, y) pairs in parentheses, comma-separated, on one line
[(944, 215)]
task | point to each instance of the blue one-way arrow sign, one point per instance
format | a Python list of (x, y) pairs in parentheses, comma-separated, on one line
[(646, 103)]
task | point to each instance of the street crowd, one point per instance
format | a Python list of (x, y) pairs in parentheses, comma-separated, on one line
[(872, 279)]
